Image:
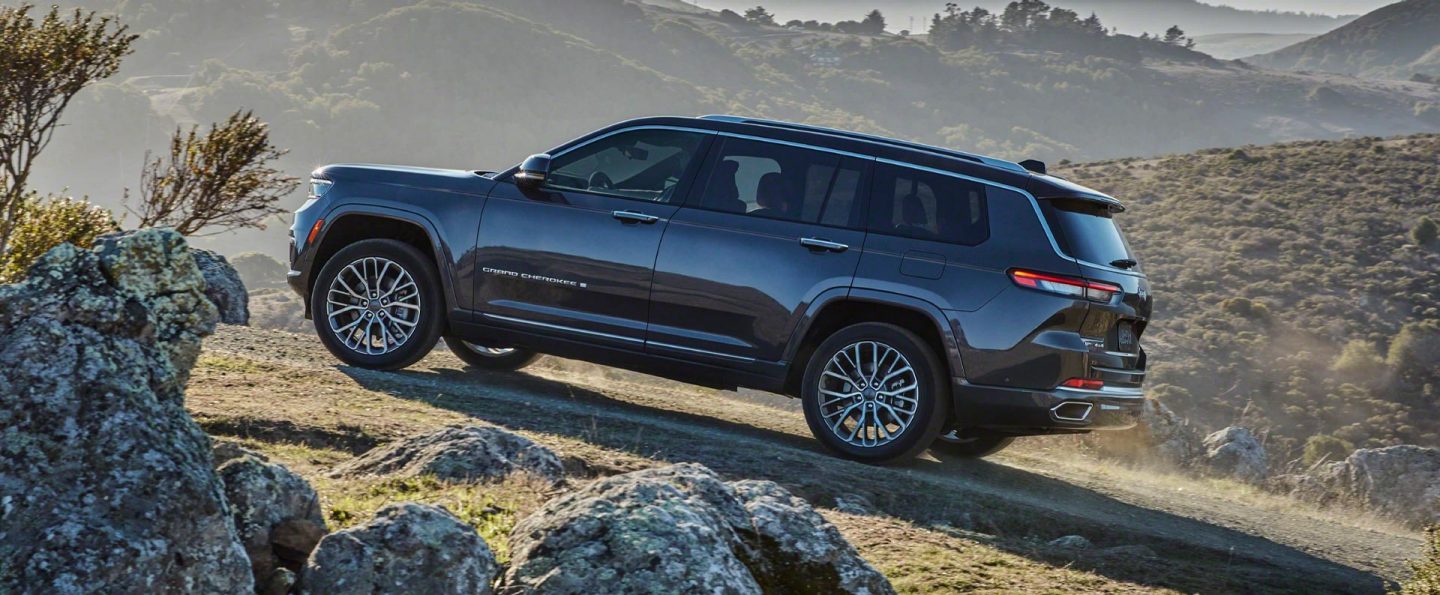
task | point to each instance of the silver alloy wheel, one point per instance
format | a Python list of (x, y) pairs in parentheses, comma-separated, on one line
[(489, 351), (373, 306), (869, 394)]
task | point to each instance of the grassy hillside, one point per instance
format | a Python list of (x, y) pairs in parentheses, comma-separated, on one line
[(1285, 279), (1229, 46), (1397, 41)]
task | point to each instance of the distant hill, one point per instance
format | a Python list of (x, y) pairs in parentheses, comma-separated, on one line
[(481, 84), (1229, 46), (1397, 41), (1129, 16), (1283, 275)]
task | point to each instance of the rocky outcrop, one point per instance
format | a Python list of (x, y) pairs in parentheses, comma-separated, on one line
[(798, 550), (1402, 482), (223, 286), (276, 514), (105, 481), (681, 529), (459, 454), (1236, 452), (407, 548)]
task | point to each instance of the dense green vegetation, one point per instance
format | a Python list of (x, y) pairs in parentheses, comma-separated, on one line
[(1398, 41), (1292, 295)]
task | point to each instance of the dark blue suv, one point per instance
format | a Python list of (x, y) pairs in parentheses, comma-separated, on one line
[(912, 296)]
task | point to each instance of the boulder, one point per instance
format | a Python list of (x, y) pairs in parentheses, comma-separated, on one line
[(223, 451), (798, 550), (1402, 482), (406, 548), (223, 286), (682, 529), (276, 513), (1071, 542), (1234, 451), (1171, 437), (459, 454), (106, 482)]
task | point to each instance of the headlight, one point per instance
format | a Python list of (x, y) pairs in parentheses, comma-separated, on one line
[(318, 187)]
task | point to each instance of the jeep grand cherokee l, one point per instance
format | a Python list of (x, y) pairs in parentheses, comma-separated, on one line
[(911, 296)]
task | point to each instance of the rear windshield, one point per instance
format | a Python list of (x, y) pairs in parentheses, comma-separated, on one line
[(1086, 230)]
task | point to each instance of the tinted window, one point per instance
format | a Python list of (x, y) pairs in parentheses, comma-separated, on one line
[(641, 164), (1086, 230), (928, 206), (783, 182)]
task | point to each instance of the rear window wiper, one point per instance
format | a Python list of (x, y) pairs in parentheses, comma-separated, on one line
[(1124, 263)]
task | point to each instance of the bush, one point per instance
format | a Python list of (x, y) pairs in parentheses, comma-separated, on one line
[(1415, 353), (1427, 569), (1359, 360), (1325, 449), (1425, 232), (44, 224)]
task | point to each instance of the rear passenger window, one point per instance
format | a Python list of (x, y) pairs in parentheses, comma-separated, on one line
[(783, 182), (923, 205)]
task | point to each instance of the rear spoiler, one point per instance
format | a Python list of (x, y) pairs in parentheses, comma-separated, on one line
[(1048, 186)]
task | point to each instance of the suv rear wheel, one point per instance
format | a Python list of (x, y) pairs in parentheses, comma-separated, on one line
[(377, 305), (500, 359), (875, 393), (952, 445)]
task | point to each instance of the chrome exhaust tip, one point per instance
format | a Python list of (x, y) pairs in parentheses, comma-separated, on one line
[(1072, 411)]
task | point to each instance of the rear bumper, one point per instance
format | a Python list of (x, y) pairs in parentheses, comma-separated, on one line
[(1024, 411)]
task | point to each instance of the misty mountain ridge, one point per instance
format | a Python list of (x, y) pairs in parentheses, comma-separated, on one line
[(1397, 41), (1128, 16)]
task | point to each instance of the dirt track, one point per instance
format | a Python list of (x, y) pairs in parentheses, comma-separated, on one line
[(1206, 542)]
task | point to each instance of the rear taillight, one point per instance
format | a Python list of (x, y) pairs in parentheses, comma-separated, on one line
[(1084, 383), (1068, 286)]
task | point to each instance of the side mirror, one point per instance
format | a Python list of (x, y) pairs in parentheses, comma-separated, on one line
[(533, 171)]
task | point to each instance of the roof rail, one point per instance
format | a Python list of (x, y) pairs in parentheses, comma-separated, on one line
[(990, 161)]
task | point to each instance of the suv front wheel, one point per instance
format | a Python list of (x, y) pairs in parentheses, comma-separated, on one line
[(875, 393), (377, 305)]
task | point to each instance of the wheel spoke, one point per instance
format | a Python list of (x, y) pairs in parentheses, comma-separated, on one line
[(381, 295), (868, 416)]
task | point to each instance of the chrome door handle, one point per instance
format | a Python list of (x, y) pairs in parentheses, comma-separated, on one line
[(633, 217), (819, 244)]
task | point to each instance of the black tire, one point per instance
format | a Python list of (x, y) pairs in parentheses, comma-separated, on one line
[(428, 320), (951, 447), (475, 356), (931, 396)]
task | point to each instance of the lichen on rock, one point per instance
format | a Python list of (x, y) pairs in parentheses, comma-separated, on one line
[(105, 481), (467, 453), (406, 548)]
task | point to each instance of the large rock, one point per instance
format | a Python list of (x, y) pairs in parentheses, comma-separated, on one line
[(223, 286), (799, 551), (276, 513), (459, 454), (106, 483), (681, 529), (1234, 451), (1402, 482), (406, 548)]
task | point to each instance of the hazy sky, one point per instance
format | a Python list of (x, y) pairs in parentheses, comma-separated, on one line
[(1320, 6)]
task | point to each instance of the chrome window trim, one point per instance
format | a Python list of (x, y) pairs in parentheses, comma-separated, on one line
[(1034, 202)]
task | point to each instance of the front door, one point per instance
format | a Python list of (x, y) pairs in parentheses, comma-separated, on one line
[(575, 257), (772, 228)]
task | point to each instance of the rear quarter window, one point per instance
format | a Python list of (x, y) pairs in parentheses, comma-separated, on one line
[(1086, 230)]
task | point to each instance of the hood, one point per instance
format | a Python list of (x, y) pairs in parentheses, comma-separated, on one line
[(443, 180)]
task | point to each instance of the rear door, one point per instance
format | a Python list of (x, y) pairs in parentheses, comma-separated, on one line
[(575, 257), (770, 228)]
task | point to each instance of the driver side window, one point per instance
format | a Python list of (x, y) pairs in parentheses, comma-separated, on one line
[(640, 164)]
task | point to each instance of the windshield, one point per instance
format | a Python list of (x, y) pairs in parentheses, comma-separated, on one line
[(1086, 230)]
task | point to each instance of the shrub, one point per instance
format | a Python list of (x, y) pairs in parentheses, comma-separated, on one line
[(1359, 359), (1325, 448), (1427, 569), (44, 224), (1425, 232), (1415, 353)]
